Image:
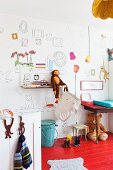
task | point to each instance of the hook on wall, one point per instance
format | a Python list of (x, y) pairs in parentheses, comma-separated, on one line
[(21, 128)]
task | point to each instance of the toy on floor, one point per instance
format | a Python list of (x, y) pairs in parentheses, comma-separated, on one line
[(69, 137), (66, 143), (91, 123), (56, 82), (77, 141)]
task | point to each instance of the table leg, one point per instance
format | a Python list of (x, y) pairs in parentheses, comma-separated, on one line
[(85, 133), (73, 131), (96, 128)]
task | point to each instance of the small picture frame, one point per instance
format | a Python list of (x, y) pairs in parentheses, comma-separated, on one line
[(14, 36), (91, 85), (92, 72)]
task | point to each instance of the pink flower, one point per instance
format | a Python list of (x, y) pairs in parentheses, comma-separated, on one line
[(21, 55), (26, 53), (13, 54), (32, 52)]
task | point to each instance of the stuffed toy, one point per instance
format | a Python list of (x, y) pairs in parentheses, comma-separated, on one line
[(56, 82), (91, 123)]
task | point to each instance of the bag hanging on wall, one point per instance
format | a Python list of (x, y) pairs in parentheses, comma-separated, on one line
[(22, 157)]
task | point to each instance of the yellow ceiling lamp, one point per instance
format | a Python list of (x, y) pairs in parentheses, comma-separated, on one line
[(102, 9)]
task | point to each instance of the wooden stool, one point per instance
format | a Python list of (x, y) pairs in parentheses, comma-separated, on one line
[(78, 127)]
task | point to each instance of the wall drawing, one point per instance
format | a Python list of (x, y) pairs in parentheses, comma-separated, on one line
[(7, 76), (37, 33), (23, 26), (24, 42), (48, 36), (57, 42), (38, 41), (29, 101), (27, 55), (60, 59)]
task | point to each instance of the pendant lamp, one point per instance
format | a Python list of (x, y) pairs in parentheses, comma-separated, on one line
[(88, 57), (102, 9)]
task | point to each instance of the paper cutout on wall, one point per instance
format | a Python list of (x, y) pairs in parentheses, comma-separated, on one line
[(76, 68), (23, 26), (72, 56), (60, 59), (14, 36)]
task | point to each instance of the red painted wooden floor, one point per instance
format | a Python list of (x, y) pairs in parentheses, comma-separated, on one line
[(96, 156)]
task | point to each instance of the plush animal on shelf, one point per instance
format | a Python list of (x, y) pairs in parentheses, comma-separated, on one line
[(102, 135), (56, 82)]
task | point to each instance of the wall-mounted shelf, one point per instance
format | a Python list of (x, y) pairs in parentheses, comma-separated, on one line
[(35, 86)]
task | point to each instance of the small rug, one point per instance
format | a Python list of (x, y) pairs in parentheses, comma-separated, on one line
[(67, 164)]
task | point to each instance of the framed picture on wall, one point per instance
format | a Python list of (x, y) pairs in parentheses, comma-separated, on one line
[(91, 85)]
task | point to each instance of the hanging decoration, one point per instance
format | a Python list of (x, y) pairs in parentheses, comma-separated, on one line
[(110, 54), (104, 71), (102, 9), (76, 68), (72, 56), (88, 57)]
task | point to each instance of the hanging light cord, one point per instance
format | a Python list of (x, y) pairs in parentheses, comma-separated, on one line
[(89, 39)]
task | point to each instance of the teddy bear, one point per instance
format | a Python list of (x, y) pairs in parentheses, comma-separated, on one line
[(91, 123), (56, 82)]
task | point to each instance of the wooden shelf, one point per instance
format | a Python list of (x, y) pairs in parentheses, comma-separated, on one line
[(35, 86)]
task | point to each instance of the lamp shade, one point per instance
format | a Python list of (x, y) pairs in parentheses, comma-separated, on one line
[(102, 9)]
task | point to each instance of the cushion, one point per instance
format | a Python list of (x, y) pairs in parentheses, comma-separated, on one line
[(105, 103)]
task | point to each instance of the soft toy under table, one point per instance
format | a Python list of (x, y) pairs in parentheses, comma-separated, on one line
[(105, 103)]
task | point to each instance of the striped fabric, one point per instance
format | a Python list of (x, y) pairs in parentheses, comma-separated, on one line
[(22, 157)]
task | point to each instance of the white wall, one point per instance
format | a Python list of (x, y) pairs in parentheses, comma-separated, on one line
[(73, 38), (110, 93)]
